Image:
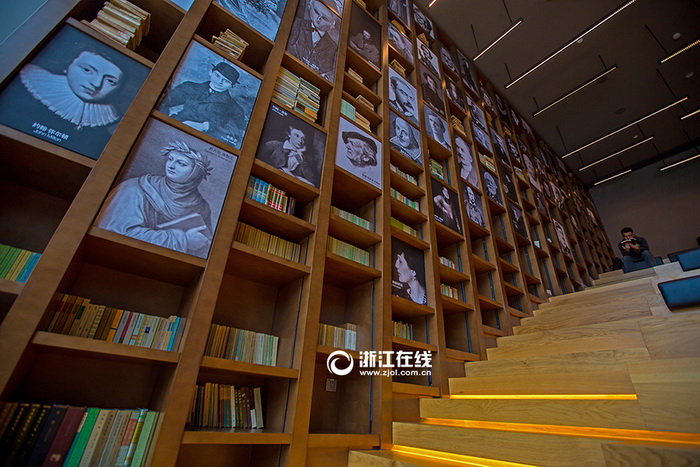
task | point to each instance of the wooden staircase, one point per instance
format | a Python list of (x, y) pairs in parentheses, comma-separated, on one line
[(607, 376)]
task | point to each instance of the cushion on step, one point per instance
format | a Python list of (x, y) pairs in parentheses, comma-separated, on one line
[(681, 293), (690, 259)]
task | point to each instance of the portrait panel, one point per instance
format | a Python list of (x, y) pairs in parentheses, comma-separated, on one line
[(508, 183), (359, 153), (170, 192), (211, 95), (73, 92), (446, 206), (501, 106), (423, 21), (437, 128), (516, 215), (405, 138), (493, 190), (531, 174), (400, 43), (488, 100), (408, 274), (265, 17), (454, 93), (499, 146), (428, 58), (365, 34), (563, 239), (541, 203), (403, 96), (292, 145), (335, 5), (432, 90), (475, 207), (477, 113), (467, 162), (468, 74), (314, 37), (513, 149), (482, 137), (400, 9), (447, 59)]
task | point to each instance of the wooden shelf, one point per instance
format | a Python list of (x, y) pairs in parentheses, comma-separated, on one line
[(521, 241), (481, 265), (230, 366), (299, 68), (532, 220), (404, 186), (512, 290), (347, 231), (486, 303), (452, 305), (503, 246), (408, 238), (495, 208), (402, 308), (323, 351), (369, 114), (405, 213), (350, 192), (10, 287), (225, 436), (446, 236), (260, 266), (517, 313), (461, 355), (506, 267), (415, 389), (452, 276), (275, 222), (303, 192), (530, 279), (342, 440), (407, 344), (355, 88), (540, 252), (535, 299), (346, 273), (407, 165), (370, 74), (476, 231), (491, 331)]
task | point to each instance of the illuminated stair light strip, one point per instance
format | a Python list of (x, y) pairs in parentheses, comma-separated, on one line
[(649, 115), (618, 397), (570, 43), (666, 167), (571, 93), (513, 26), (614, 176), (680, 51), (565, 430), (694, 112), (615, 154), (454, 459)]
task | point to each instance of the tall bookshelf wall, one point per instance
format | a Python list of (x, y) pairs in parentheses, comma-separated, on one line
[(497, 273)]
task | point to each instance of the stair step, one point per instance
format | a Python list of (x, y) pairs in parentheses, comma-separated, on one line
[(624, 277), (608, 298), (590, 293), (558, 335), (387, 459), (672, 337), (560, 363), (622, 454), (612, 380)]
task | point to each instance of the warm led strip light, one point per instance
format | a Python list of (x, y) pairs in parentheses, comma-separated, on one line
[(452, 458), (679, 162), (680, 51), (694, 112), (571, 93), (564, 430), (432, 3), (615, 154), (513, 26), (614, 176), (570, 43), (610, 397), (624, 127)]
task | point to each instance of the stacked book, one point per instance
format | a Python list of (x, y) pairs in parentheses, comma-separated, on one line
[(399, 26), (364, 101), (423, 38), (265, 193), (355, 75), (16, 264), (41, 434), (295, 92), (242, 345), (403, 174), (363, 122), (403, 330), (361, 3), (487, 161), (231, 43), (520, 173), (226, 406), (308, 99), (398, 67), (407, 201), (448, 262), (401, 226), (348, 251), (451, 292), (122, 22), (437, 169), (349, 110), (458, 125), (261, 240), (355, 219), (341, 337)]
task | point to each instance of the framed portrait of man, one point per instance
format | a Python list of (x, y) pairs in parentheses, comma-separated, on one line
[(437, 128), (482, 137), (263, 16), (405, 138), (499, 145), (403, 97), (432, 90), (335, 5), (541, 203), (211, 95), (488, 100), (447, 59), (468, 74), (365, 34), (454, 93), (170, 192), (359, 153), (400, 9), (513, 149), (477, 113), (563, 239), (400, 43), (292, 145), (532, 175), (493, 190), (428, 58), (467, 165), (73, 92), (408, 275), (314, 37), (508, 183), (446, 206), (475, 208), (516, 215), (423, 21), (501, 106)]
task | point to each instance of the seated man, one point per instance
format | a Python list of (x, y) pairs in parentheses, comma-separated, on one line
[(634, 250)]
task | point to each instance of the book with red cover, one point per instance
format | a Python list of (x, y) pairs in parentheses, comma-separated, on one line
[(64, 437)]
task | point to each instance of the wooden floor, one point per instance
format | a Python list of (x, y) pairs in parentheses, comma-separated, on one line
[(607, 376)]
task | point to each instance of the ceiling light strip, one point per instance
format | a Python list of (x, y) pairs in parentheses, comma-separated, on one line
[(680, 51), (649, 115), (570, 43), (513, 26), (433, 2), (615, 154), (694, 112), (666, 167), (571, 93), (614, 176)]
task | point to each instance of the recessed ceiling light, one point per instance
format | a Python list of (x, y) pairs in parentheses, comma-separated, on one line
[(690, 74), (676, 36), (620, 111)]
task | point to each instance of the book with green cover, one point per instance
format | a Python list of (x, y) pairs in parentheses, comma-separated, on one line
[(75, 453)]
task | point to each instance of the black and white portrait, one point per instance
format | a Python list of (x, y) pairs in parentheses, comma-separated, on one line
[(467, 165), (492, 189), (454, 93), (477, 113), (488, 100), (335, 5), (292, 145), (447, 59), (558, 196), (541, 203), (437, 127), (467, 72), (402, 96), (365, 34), (400, 9), (475, 208), (501, 106), (170, 191), (211, 95), (518, 221), (563, 240), (531, 174), (513, 149), (405, 138), (524, 150), (314, 37), (73, 93), (546, 188), (500, 147), (408, 275), (423, 21), (515, 118), (432, 90), (428, 58), (400, 43), (482, 137), (508, 183), (264, 16), (359, 153), (446, 206)]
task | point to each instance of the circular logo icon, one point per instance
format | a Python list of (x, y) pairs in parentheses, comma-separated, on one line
[(332, 361)]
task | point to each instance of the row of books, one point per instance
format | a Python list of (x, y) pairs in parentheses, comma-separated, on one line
[(448, 262), (268, 194), (62, 435), (242, 345), (352, 218), (450, 291), (407, 201), (17, 264), (355, 75), (403, 330), (403, 174), (437, 169), (123, 22), (226, 406), (406, 228), (347, 109), (295, 92), (487, 161), (261, 240), (231, 43), (364, 101), (77, 316), (348, 251), (341, 337), (398, 67), (457, 124)]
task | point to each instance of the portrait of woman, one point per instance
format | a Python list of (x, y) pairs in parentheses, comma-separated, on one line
[(408, 276), (73, 93)]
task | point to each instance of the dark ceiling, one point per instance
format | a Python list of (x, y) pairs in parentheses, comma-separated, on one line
[(635, 40)]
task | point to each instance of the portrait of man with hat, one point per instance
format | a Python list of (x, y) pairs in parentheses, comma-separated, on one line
[(359, 153)]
